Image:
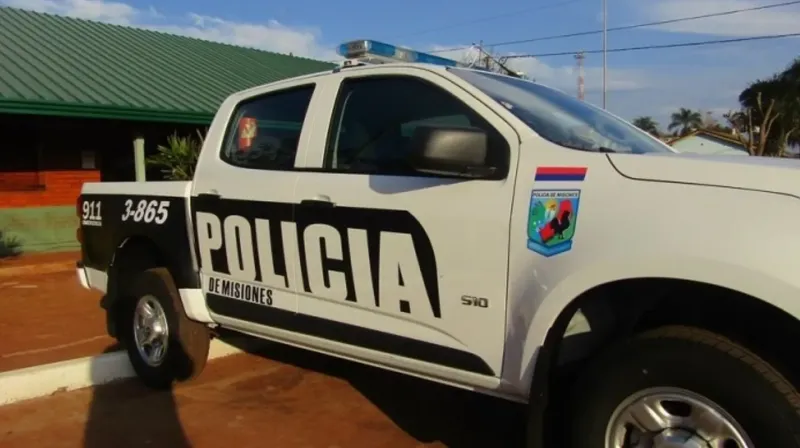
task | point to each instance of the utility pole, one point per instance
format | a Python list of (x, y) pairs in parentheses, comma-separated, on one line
[(605, 51), (487, 58), (579, 58)]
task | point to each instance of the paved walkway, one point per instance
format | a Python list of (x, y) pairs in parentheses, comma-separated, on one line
[(283, 398)]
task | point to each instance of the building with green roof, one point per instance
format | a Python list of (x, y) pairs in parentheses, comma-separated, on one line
[(86, 101)]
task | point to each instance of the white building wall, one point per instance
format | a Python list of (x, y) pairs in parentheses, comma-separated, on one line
[(702, 144)]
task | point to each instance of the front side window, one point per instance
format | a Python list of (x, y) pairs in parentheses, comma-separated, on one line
[(264, 132), (375, 117), (560, 118)]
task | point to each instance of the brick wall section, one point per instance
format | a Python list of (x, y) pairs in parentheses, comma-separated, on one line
[(60, 188), (27, 180)]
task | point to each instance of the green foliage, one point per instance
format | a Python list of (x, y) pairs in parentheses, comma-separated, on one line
[(773, 106), (10, 246), (178, 158), (647, 124), (685, 121)]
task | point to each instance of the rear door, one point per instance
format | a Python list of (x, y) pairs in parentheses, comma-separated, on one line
[(242, 206), (400, 267)]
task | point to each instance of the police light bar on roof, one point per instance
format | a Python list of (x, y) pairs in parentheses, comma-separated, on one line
[(379, 52)]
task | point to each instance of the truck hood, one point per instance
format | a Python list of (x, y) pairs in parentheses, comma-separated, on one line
[(778, 175)]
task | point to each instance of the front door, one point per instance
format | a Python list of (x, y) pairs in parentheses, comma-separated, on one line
[(241, 204), (406, 268)]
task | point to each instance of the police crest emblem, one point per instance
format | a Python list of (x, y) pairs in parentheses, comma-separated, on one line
[(552, 217)]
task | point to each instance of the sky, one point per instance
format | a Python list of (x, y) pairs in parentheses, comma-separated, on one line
[(653, 83)]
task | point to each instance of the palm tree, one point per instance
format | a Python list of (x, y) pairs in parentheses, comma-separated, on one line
[(647, 124), (178, 158), (685, 121)]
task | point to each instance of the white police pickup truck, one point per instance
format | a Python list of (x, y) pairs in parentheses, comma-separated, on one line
[(453, 224)]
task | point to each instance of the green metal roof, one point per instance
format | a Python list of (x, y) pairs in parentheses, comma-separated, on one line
[(53, 65)]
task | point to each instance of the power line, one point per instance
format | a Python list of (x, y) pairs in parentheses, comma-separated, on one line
[(490, 18), (630, 27), (656, 47)]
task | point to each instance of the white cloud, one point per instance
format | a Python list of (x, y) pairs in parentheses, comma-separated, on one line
[(564, 77), (274, 36), (782, 20), (104, 11), (698, 82), (271, 36)]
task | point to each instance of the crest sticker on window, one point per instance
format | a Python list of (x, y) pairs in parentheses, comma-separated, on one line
[(248, 128)]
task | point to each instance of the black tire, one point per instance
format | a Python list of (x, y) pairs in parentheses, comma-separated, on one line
[(756, 395), (188, 341)]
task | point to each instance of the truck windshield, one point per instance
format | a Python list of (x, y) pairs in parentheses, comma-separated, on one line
[(560, 118)]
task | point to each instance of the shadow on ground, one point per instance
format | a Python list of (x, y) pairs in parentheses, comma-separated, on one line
[(427, 411), (117, 413)]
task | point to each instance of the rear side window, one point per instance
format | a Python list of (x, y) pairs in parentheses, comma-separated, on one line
[(265, 131)]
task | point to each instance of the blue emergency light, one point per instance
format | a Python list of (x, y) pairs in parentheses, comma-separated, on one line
[(374, 51), (371, 51)]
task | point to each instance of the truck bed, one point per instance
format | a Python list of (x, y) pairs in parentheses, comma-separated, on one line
[(154, 214)]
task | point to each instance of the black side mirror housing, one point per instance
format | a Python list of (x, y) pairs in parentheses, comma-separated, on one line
[(450, 150)]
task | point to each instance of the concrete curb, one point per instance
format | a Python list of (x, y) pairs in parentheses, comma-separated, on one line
[(40, 381)]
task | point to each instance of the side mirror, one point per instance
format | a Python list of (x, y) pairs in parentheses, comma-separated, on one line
[(450, 150)]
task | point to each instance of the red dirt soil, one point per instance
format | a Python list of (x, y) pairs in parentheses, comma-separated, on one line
[(37, 264), (48, 318), (281, 398)]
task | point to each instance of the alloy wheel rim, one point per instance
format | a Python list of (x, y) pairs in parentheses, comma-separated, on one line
[(150, 330)]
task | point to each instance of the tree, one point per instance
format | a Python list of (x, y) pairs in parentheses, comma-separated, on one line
[(647, 124), (712, 124), (769, 119), (755, 124), (685, 121), (789, 123), (178, 158)]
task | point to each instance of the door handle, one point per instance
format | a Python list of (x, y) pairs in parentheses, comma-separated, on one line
[(318, 201), (211, 194)]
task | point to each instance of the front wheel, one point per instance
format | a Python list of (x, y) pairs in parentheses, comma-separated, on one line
[(163, 345), (682, 387)]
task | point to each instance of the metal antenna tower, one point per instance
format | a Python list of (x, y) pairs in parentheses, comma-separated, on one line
[(581, 86)]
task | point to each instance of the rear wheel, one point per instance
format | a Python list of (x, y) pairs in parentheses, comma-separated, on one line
[(163, 345), (682, 387)]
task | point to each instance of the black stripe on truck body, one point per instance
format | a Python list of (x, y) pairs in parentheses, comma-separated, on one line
[(105, 229), (373, 221), (349, 334)]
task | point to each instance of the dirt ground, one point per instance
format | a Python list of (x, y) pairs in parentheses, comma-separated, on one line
[(38, 263), (280, 398), (47, 316)]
